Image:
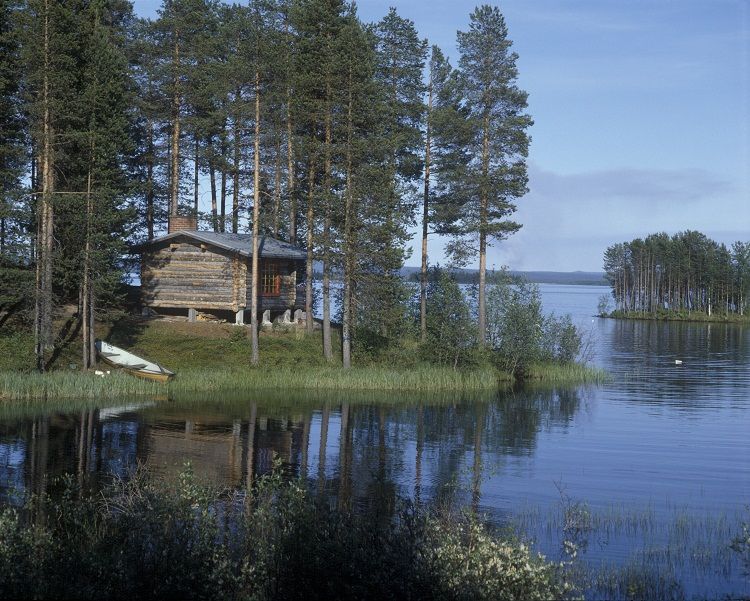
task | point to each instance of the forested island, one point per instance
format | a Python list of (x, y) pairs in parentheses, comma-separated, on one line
[(684, 276)]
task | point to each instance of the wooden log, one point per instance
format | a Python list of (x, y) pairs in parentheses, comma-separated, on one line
[(200, 306)]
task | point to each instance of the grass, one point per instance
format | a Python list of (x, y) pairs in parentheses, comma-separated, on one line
[(660, 549), (571, 373), (689, 316), (213, 357), (16, 386), (426, 378)]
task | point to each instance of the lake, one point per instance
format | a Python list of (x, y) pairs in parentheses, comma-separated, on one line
[(649, 472)]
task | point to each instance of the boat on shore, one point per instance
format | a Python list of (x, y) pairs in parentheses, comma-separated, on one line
[(132, 364)]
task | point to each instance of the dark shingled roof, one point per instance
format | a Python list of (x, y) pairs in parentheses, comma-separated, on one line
[(240, 243)]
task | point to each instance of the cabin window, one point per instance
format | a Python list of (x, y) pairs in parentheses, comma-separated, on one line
[(270, 280)]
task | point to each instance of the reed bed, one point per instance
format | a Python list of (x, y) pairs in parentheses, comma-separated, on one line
[(16, 386), (25, 387), (31, 386), (660, 549), (284, 401), (424, 379), (567, 373)]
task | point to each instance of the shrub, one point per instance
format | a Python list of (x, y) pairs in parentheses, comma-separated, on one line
[(520, 334), (451, 333), (144, 539)]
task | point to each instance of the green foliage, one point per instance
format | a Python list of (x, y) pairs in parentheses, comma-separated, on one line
[(451, 333), (12, 124), (16, 351), (520, 334), (16, 289), (147, 539), (489, 171)]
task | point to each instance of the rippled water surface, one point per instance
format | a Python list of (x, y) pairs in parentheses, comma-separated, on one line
[(650, 471)]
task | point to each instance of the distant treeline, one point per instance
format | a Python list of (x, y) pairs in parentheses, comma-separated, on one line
[(685, 272), (572, 278)]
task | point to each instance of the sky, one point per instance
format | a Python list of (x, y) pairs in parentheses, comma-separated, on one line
[(641, 115)]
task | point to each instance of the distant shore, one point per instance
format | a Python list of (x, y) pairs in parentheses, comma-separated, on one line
[(686, 316)]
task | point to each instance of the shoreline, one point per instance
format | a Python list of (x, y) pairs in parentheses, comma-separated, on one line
[(60, 385), (692, 317)]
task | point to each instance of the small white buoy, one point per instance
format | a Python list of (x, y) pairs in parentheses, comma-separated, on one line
[(677, 362)]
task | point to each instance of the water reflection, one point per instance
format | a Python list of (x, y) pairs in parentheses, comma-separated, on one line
[(714, 366), (661, 440), (363, 455)]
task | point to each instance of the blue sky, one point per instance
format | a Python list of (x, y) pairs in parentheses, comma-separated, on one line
[(642, 119)]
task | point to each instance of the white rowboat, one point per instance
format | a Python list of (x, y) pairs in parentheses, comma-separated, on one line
[(133, 364)]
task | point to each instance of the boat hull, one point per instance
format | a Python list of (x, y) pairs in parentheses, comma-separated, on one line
[(163, 378), (132, 364)]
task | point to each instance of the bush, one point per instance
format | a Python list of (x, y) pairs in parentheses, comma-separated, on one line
[(451, 333), (604, 306), (144, 539), (520, 334)]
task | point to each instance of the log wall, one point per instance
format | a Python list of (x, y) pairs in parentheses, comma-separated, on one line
[(287, 297), (191, 275)]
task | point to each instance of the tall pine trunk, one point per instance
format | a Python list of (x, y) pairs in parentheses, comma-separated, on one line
[(290, 173), (309, 324), (327, 350), (176, 108), (87, 293), (346, 326), (195, 179), (150, 181), (425, 217), (277, 188), (212, 182), (484, 201), (236, 176), (223, 207), (256, 229), (45, 217)]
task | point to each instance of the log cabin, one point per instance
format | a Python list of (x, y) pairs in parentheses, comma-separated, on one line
[(193, 270)]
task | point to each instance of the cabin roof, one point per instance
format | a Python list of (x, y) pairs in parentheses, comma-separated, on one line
[(240, 243)]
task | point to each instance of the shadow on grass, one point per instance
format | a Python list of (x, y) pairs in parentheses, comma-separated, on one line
[(65, 337), (126, 331)]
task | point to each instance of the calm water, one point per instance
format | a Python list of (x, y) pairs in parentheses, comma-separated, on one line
[(655, 465)]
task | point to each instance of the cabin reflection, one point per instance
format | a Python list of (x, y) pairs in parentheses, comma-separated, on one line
[(357, 455)]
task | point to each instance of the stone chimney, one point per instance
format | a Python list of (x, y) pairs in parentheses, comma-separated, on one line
[(181, 223)]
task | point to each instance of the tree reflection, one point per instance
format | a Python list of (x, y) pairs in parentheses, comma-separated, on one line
[(434, 452)]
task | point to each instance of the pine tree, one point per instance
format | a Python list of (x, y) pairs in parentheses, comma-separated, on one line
[(104, 143), (496, 172), (50, 50), (263, 57), (443, 128), (149, 167), (361, 97), (317, 24), (400, 61), (12, 126), (182, 25)]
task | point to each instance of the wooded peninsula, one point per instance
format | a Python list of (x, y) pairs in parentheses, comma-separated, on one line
[(290, 121)]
